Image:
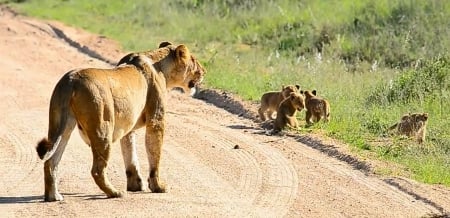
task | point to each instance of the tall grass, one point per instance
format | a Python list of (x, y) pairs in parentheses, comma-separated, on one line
[(366, 57)]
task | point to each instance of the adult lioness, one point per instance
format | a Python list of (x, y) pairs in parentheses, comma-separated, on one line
[(107, 105)]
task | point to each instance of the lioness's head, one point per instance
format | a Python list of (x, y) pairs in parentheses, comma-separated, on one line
[(182, 69)]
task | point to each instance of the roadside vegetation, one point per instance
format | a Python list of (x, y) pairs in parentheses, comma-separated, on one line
[(373, 60)]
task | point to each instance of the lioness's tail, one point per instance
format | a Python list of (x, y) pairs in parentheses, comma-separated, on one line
[(61, 119), (46, 149)]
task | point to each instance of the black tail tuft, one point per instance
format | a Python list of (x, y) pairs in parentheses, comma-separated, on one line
[(43, 147)]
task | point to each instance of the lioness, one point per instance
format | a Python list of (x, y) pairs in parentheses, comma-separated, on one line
[(271, 100), (108, 105), (196, 68), (316, 107), (412, 125), (287, 110)]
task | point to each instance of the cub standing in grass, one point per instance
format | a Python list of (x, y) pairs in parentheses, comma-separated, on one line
[(271, 100), (316, 107), (412, 125), (287, 110)]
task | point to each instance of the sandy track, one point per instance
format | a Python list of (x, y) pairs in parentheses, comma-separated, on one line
[(268, 176)]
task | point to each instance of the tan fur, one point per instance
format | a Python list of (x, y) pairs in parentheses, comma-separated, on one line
[(287, 110), (316, 108), (165, 54), (412, 125), (108, 105), (271, 100)]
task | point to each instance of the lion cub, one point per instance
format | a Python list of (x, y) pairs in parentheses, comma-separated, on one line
[(271, 100), (412, 125), (287, 110), (316, 107)]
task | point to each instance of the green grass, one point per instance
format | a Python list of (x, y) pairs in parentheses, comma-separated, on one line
[(372, 52)]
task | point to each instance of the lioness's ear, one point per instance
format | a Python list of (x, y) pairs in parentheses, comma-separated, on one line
[(314, 92), (182, 52), (298, 87), (164, 44)]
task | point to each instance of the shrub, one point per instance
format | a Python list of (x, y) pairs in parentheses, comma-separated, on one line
[(431, 80)]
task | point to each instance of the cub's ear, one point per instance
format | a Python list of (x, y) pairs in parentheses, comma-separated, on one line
[(182, 53), (298, 87), (164, 44), (314, 92), (302, 92)]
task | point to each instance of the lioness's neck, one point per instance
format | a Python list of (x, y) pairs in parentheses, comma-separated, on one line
[(158, 56)]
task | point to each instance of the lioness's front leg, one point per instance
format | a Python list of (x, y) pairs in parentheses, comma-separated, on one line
[(153, 141), (134, 181)]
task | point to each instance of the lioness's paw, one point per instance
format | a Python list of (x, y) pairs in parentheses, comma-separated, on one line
[(115, 194), (135, 185), (56, 197), (136, 188), (157, 188)]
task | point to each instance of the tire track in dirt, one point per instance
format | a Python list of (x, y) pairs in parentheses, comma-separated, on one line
[(356, 186), (250, 179), (24, 174), (271, 184), (202, 179)]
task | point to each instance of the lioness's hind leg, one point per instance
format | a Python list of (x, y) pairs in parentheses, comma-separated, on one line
[(51, 172), (51, 165), (101, 151), (134, 181), (153, 142)]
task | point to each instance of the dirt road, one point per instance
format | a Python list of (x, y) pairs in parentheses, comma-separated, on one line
[(267, 176)]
